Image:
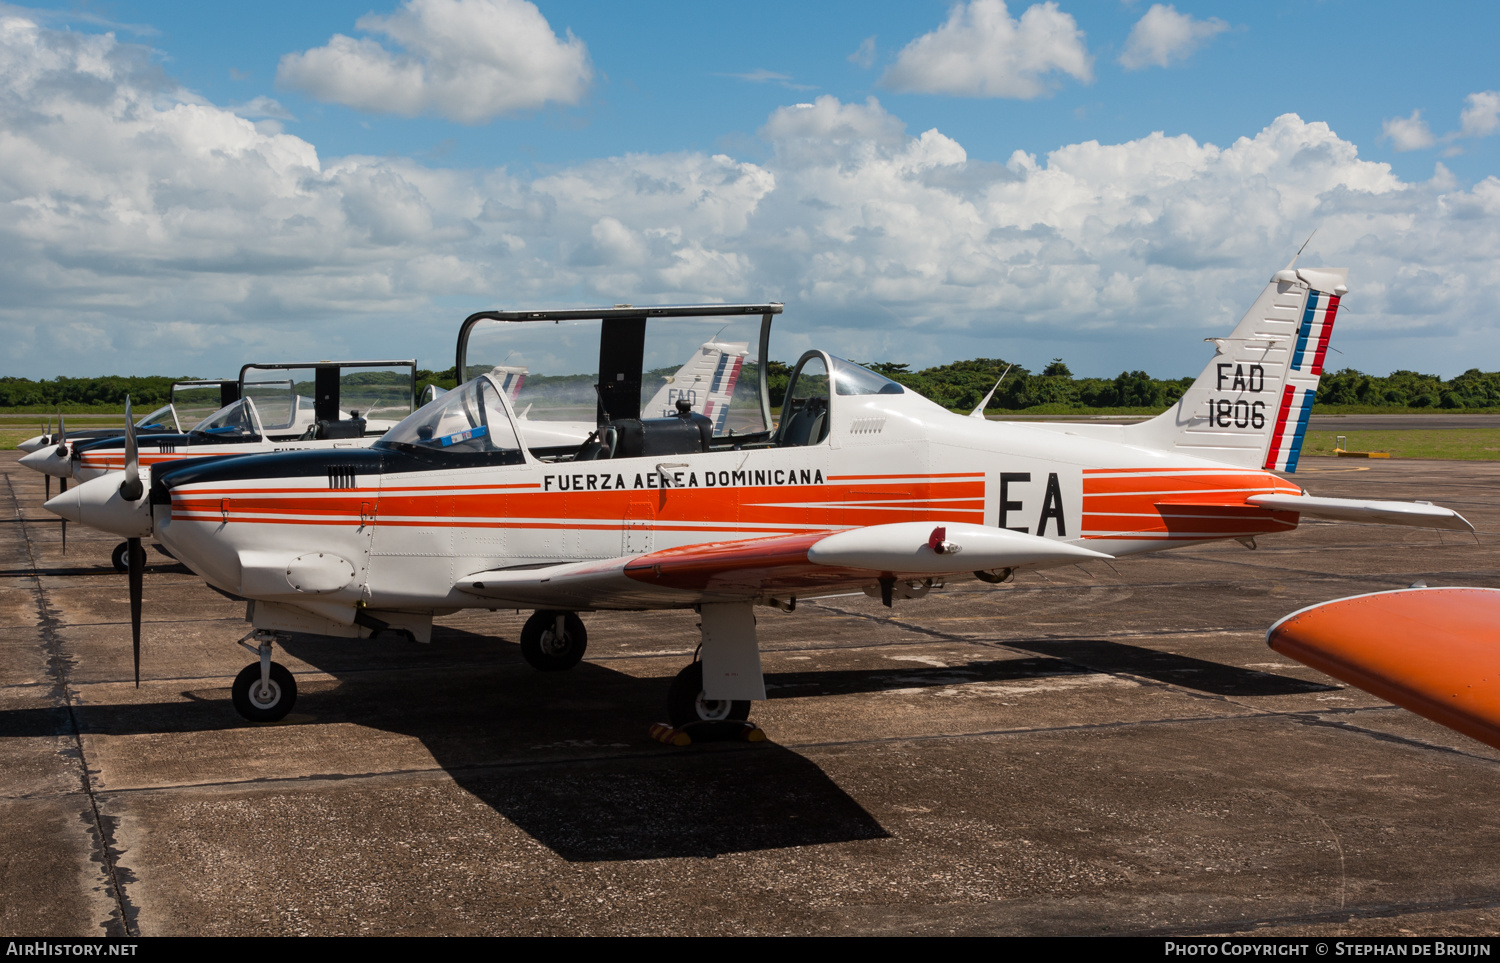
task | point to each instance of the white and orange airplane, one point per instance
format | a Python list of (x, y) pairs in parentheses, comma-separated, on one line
[(861, 484)]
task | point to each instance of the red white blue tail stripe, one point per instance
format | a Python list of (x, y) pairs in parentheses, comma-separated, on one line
[(1301, 389), (721, 391), (1291, 424), (1316, 329)]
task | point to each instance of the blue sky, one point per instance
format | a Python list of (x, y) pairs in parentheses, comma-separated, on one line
[(659, 153)]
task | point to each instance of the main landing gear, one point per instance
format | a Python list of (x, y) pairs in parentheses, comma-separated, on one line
[(686, 704), (553, 641), (264, 691)]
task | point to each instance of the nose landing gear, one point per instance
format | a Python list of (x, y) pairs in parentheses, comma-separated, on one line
[(264, 691)]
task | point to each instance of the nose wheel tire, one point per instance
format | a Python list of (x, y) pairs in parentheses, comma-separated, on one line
[(686, 704), (549, 650), (268, 704), (120, 557)]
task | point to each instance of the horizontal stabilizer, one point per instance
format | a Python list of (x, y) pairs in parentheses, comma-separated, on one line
[(1417, 514), (1430, 650)]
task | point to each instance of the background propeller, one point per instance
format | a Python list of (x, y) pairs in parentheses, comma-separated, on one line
[(131, 489), (62, 483), (47, 440)]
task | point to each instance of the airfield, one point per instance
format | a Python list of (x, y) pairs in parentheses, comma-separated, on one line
[(1112, 751)]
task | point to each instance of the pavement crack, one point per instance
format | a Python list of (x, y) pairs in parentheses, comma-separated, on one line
[(122, 921)]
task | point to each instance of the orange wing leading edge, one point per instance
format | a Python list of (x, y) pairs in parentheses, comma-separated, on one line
[(1435, 651)]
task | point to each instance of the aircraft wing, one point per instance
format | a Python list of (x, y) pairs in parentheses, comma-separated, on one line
[(1418, 514), (782, 565), (1430, 650)]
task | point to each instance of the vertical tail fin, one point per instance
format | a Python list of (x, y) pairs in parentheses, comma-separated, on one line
[(511, 379), (706, 382), (1251, 404)]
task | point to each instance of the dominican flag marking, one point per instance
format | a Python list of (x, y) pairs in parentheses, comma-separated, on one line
[(1286, 445), (1317, 328), (722, 388)]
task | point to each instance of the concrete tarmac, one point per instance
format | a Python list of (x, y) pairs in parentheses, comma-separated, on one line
[(1105, 752)]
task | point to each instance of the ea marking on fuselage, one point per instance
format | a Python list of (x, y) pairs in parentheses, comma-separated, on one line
[(1238, 412), (1052, 503), (616, 481)]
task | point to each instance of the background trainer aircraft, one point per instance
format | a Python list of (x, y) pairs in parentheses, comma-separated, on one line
[(862, 484), (269, 412), (183, 399)]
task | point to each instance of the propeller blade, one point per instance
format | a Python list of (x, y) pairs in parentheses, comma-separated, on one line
[(137, 556), (47, 487), (62, 483), (131, 487)]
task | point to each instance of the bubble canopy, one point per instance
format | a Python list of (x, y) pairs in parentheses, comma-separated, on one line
[(593, 365), (469, 425)]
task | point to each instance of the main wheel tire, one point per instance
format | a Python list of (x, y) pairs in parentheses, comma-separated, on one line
[(544, 650), (120, 557), (686, 705), (269, 707)]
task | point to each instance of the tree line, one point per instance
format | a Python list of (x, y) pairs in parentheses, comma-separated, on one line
[(959, 385)]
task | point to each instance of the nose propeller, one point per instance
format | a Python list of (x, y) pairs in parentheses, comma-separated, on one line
[(131, 489)]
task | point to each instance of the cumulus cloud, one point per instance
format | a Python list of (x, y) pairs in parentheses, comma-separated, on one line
[(467, 60), (156, 232), (864, 54), (1163, 35), (1407, 133), (982, 52), (1481, 117)]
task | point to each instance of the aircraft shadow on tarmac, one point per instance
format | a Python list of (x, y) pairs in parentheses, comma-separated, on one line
[(1215, 678), (564, 756)]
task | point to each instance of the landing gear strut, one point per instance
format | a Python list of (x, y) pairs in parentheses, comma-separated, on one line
[(553, 641), (264, 691)]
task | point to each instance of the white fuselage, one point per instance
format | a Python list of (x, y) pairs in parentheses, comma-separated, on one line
[(410, 537)]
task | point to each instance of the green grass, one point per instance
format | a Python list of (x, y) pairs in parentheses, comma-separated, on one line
[(1449, 444)]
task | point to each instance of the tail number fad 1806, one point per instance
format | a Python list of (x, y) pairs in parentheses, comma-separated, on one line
[(1238, 413)]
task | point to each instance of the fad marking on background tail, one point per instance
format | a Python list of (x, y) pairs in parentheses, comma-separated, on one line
[(1251, 404)]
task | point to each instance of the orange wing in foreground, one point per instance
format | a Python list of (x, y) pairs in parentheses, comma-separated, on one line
[(1434, 651)]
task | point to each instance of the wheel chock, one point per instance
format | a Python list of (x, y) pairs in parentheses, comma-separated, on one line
[(708, 732), (668, 736)]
